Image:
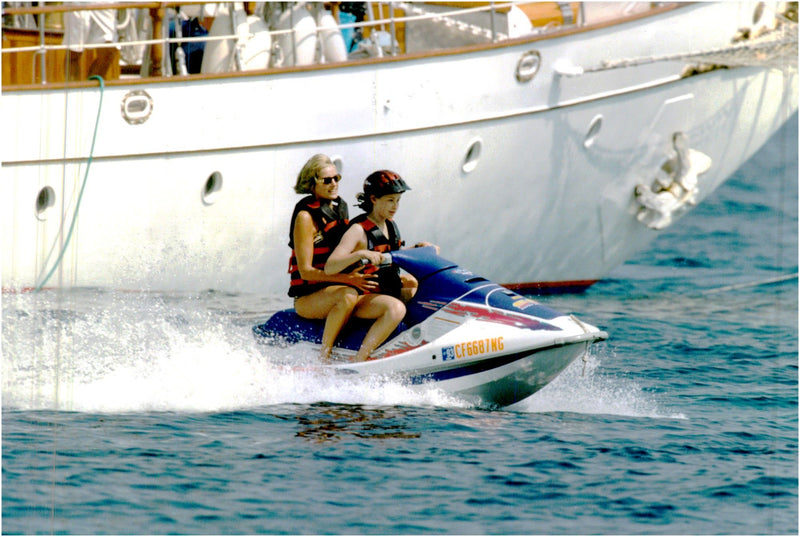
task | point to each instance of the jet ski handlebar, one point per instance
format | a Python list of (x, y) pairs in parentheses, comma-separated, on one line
[(421, 261), (418, 253), (386, 260)]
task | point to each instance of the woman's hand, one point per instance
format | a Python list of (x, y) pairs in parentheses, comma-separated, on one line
[(365, 282)]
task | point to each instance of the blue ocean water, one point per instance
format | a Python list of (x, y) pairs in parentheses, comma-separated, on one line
[(141, 413)]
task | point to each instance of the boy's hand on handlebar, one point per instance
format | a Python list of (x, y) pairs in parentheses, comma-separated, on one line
[(373, 257)]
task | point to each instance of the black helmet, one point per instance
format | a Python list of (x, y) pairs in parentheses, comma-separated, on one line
[(384, 182)]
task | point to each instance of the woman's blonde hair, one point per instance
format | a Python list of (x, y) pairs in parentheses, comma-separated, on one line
[(307, 177)]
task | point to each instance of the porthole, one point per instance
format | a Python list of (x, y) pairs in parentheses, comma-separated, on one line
[(136, 107), (594, 129), (472, 156), (212, 187), (528, 65), (44, 200)]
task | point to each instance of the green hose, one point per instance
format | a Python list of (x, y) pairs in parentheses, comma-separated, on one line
[(83, 186)]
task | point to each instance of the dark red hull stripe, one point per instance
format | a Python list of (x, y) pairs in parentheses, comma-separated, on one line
[(575, 286)]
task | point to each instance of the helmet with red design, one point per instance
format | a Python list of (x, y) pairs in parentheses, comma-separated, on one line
[(383, 182)]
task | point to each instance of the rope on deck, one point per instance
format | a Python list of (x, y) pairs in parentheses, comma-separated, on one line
[(774, 48)]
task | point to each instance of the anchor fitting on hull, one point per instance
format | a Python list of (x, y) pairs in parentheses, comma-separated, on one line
[(675, 187)]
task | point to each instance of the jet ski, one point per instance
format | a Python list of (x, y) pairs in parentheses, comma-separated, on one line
[(467, 335)]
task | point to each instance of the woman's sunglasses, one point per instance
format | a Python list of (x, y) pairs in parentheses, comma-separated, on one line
[(329, 180)]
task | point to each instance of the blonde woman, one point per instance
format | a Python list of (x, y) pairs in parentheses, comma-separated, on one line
[(318, 222)]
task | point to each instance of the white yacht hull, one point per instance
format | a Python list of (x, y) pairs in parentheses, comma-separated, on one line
[(519, 180)]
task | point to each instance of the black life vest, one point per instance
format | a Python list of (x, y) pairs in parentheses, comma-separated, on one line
[(388, 275), (331, 220)]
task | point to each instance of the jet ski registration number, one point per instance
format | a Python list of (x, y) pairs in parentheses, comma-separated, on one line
[(472, 348)]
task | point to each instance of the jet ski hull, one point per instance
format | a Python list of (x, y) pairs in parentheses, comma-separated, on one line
[(466, 335), (496, 380)]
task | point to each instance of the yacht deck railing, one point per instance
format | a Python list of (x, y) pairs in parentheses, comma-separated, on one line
[(154, 61)]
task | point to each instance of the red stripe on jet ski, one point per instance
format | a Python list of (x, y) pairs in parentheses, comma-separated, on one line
[(551, 288)]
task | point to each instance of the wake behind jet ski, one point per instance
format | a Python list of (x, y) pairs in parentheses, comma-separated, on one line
[(469, 336)]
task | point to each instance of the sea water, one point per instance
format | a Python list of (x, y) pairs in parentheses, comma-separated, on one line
[(148, 413)]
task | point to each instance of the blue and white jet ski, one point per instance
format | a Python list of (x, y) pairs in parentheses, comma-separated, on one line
[(469, 336)]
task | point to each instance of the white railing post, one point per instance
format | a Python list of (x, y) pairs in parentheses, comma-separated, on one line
[(42, 53)]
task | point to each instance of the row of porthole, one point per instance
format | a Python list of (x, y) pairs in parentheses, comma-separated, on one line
[(476, 145), (46, 198), (213, 185), (527, 67), (140, 104)]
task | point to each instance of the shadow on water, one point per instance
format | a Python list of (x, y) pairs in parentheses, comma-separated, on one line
[(324, 422)]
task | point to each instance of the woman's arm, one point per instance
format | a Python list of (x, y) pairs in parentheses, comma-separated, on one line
[(304, 231), (351, 249)]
